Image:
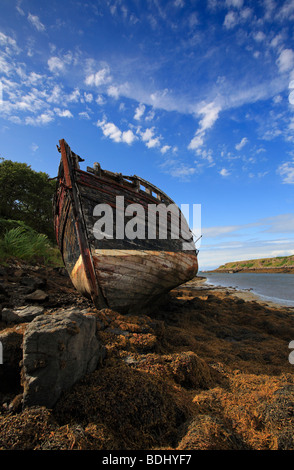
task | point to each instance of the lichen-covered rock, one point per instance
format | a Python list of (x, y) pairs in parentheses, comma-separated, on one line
[(58, 350)]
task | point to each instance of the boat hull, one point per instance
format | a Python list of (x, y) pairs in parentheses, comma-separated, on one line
[(119, 273), (132, 279)]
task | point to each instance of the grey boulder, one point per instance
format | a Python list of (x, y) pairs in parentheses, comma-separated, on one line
[(58, 350)]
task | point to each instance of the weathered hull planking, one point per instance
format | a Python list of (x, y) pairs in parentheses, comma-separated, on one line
[(117, 272)]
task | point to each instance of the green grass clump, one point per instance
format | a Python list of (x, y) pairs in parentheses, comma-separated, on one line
[(25, 244)]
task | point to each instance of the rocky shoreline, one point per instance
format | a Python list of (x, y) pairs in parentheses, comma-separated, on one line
[(208, 369)]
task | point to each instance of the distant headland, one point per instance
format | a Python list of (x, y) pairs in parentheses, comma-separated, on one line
[(280, 264)]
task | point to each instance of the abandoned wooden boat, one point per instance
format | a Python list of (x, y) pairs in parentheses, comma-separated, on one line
[(118, 269)]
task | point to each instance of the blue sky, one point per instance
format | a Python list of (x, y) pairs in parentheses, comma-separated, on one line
[(194, 96)]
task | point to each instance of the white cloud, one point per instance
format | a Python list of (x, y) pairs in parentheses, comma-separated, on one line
[(277, 99), (286, 170), (74, 96), (150, 115), (149, 138), (179, 170), (34, 20), (231, 20), (259, 36), (84, 115), (155, 142), (234, 3), (197, 141), (19, 9), (42, 119), (241, 144), (193, 20), (276, 41), (287, 10), (221, 244), (63, 113), (9, 43), (100, 100), (139, 111), (220, 231), (286, 60), (282, 223), (128, 137), (224, 172), (210, 114), (55, 65), (56, 95), (113, 91), (34, 147), (88, 97), (182, 171), (160, 99), (245, 14), (34, 78), (5, 66), (111, 131), (99, 78), (165, 148)]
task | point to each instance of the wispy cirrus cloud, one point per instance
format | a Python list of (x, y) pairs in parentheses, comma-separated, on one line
[(177, 169), (241, 144), (286, 171), (281, 224), (214, 255), (210, 112), (35, 21), (265, 237)]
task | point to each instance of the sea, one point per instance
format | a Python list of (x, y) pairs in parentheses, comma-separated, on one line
[(273, 287)]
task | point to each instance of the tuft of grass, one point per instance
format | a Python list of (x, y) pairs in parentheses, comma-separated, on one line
[(25, 244)]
